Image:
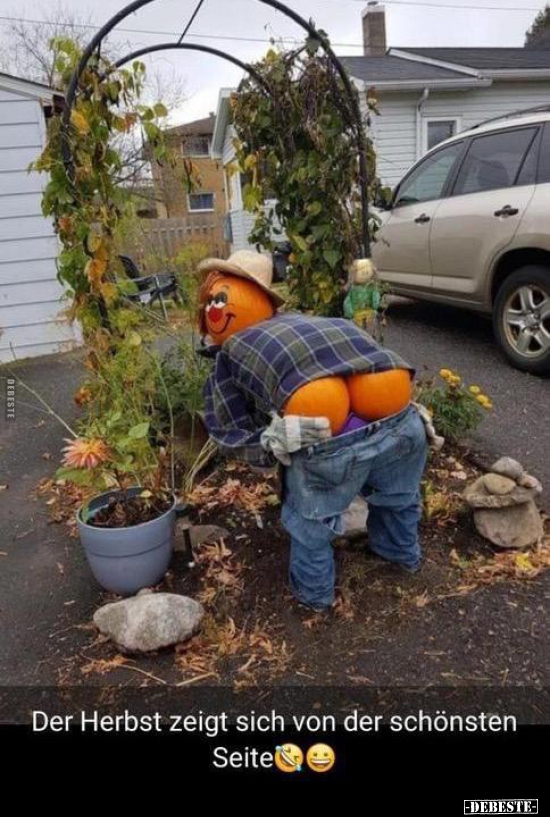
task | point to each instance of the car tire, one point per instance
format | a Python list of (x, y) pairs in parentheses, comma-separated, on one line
[(521, 319)]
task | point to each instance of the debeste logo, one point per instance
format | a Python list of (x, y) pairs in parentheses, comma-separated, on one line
[(501, 807)]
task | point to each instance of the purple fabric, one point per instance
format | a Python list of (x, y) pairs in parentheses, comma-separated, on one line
[(352, 424)]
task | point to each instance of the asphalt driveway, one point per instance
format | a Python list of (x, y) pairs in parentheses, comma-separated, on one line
[(431, 336)]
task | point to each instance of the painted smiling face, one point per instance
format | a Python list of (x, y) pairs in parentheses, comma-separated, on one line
[(233, 304)]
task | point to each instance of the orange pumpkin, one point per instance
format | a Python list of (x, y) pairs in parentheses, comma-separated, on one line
[(378, 395), (233, 304), (325, 397)]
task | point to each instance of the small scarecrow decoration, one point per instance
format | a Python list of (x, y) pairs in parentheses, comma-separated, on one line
[(324, 399), (364, 298)]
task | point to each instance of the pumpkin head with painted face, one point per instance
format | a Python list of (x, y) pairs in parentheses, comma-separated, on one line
[(236, 294), (233, 304)]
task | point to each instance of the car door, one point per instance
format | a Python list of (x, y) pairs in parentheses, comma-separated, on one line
[(493, 187), (401, 252)]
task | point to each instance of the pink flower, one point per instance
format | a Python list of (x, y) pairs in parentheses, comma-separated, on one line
[(82, 453)]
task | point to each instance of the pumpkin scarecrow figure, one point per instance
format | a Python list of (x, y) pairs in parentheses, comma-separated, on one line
[(322, 398), (364, 298)]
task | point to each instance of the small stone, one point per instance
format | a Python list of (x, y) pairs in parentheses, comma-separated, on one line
[(145, 591), (461, 475), (202, 534), (497, 484), (199, 535), (516, 527), (531, 483), (476, 493), (148, 622), (507, 467)]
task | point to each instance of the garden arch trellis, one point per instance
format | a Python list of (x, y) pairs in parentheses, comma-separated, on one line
[(95, 44)]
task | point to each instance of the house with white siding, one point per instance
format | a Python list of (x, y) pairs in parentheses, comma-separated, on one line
[(425, 95), (32, 320)]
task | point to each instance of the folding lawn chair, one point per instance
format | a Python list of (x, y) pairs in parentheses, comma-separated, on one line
[(151, 288)]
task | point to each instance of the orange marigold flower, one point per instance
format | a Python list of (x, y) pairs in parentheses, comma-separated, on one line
[(82, 453)]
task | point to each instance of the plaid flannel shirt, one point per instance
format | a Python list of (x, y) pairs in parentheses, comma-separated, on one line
[(259, 368)]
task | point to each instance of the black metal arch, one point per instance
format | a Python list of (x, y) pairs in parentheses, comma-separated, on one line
[(309, 27), (141, 52)]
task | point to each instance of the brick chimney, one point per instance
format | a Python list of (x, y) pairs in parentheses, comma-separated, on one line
[(374, 30)]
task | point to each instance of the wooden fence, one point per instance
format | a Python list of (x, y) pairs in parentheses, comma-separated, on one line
[(166, 237)]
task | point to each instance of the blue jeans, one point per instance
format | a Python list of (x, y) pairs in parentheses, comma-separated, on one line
[(384, 463)]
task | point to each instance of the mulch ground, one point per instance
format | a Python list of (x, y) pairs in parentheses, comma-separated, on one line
[(254, 632)]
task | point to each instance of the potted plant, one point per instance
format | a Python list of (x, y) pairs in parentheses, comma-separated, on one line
[(127, 537), (127, 531)]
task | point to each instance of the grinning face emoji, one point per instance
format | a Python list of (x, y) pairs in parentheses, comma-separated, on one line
[(233, 304), (320, 757)]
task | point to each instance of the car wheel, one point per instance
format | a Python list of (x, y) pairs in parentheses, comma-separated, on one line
[(521, 319)]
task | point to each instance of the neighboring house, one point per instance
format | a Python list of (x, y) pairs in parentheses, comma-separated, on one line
[(206, 205), (425, 95), (32, 320), (146, 201)]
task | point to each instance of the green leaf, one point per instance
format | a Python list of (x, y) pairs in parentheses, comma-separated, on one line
[(320, 231), (160, 110), (76, 475), (332, 257), (140, 431), (300, 242), (315, 208)]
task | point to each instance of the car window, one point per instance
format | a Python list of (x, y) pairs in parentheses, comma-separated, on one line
[(528, 171), (493, 161), (544, 160), (427, 181)]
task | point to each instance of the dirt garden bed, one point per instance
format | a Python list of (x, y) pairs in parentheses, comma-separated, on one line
[(254, 632)]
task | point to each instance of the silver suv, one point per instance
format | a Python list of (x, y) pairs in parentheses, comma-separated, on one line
[(469, 225)]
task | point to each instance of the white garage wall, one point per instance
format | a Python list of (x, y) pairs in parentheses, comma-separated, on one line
[(31, 299)]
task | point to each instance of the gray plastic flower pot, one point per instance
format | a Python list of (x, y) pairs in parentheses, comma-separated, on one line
[(124, 560)]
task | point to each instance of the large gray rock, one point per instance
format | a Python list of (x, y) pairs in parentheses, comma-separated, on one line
[(515, 527), (508, 467), (148, 622)]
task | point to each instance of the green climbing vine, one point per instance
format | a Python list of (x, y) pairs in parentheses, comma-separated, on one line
[(120, 439), (87, 204), (297, 146)]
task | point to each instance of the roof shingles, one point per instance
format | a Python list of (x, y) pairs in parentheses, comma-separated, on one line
[(388, 68), (488, 58)]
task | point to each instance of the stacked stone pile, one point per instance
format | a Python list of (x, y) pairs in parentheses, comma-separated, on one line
[(504, 505)]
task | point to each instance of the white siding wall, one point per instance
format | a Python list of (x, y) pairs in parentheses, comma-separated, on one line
[(30, 295), (476, 105), (397, 132), (242, 221), (394, 134)]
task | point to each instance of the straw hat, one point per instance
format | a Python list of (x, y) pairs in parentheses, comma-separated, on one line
[(248, 264)]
